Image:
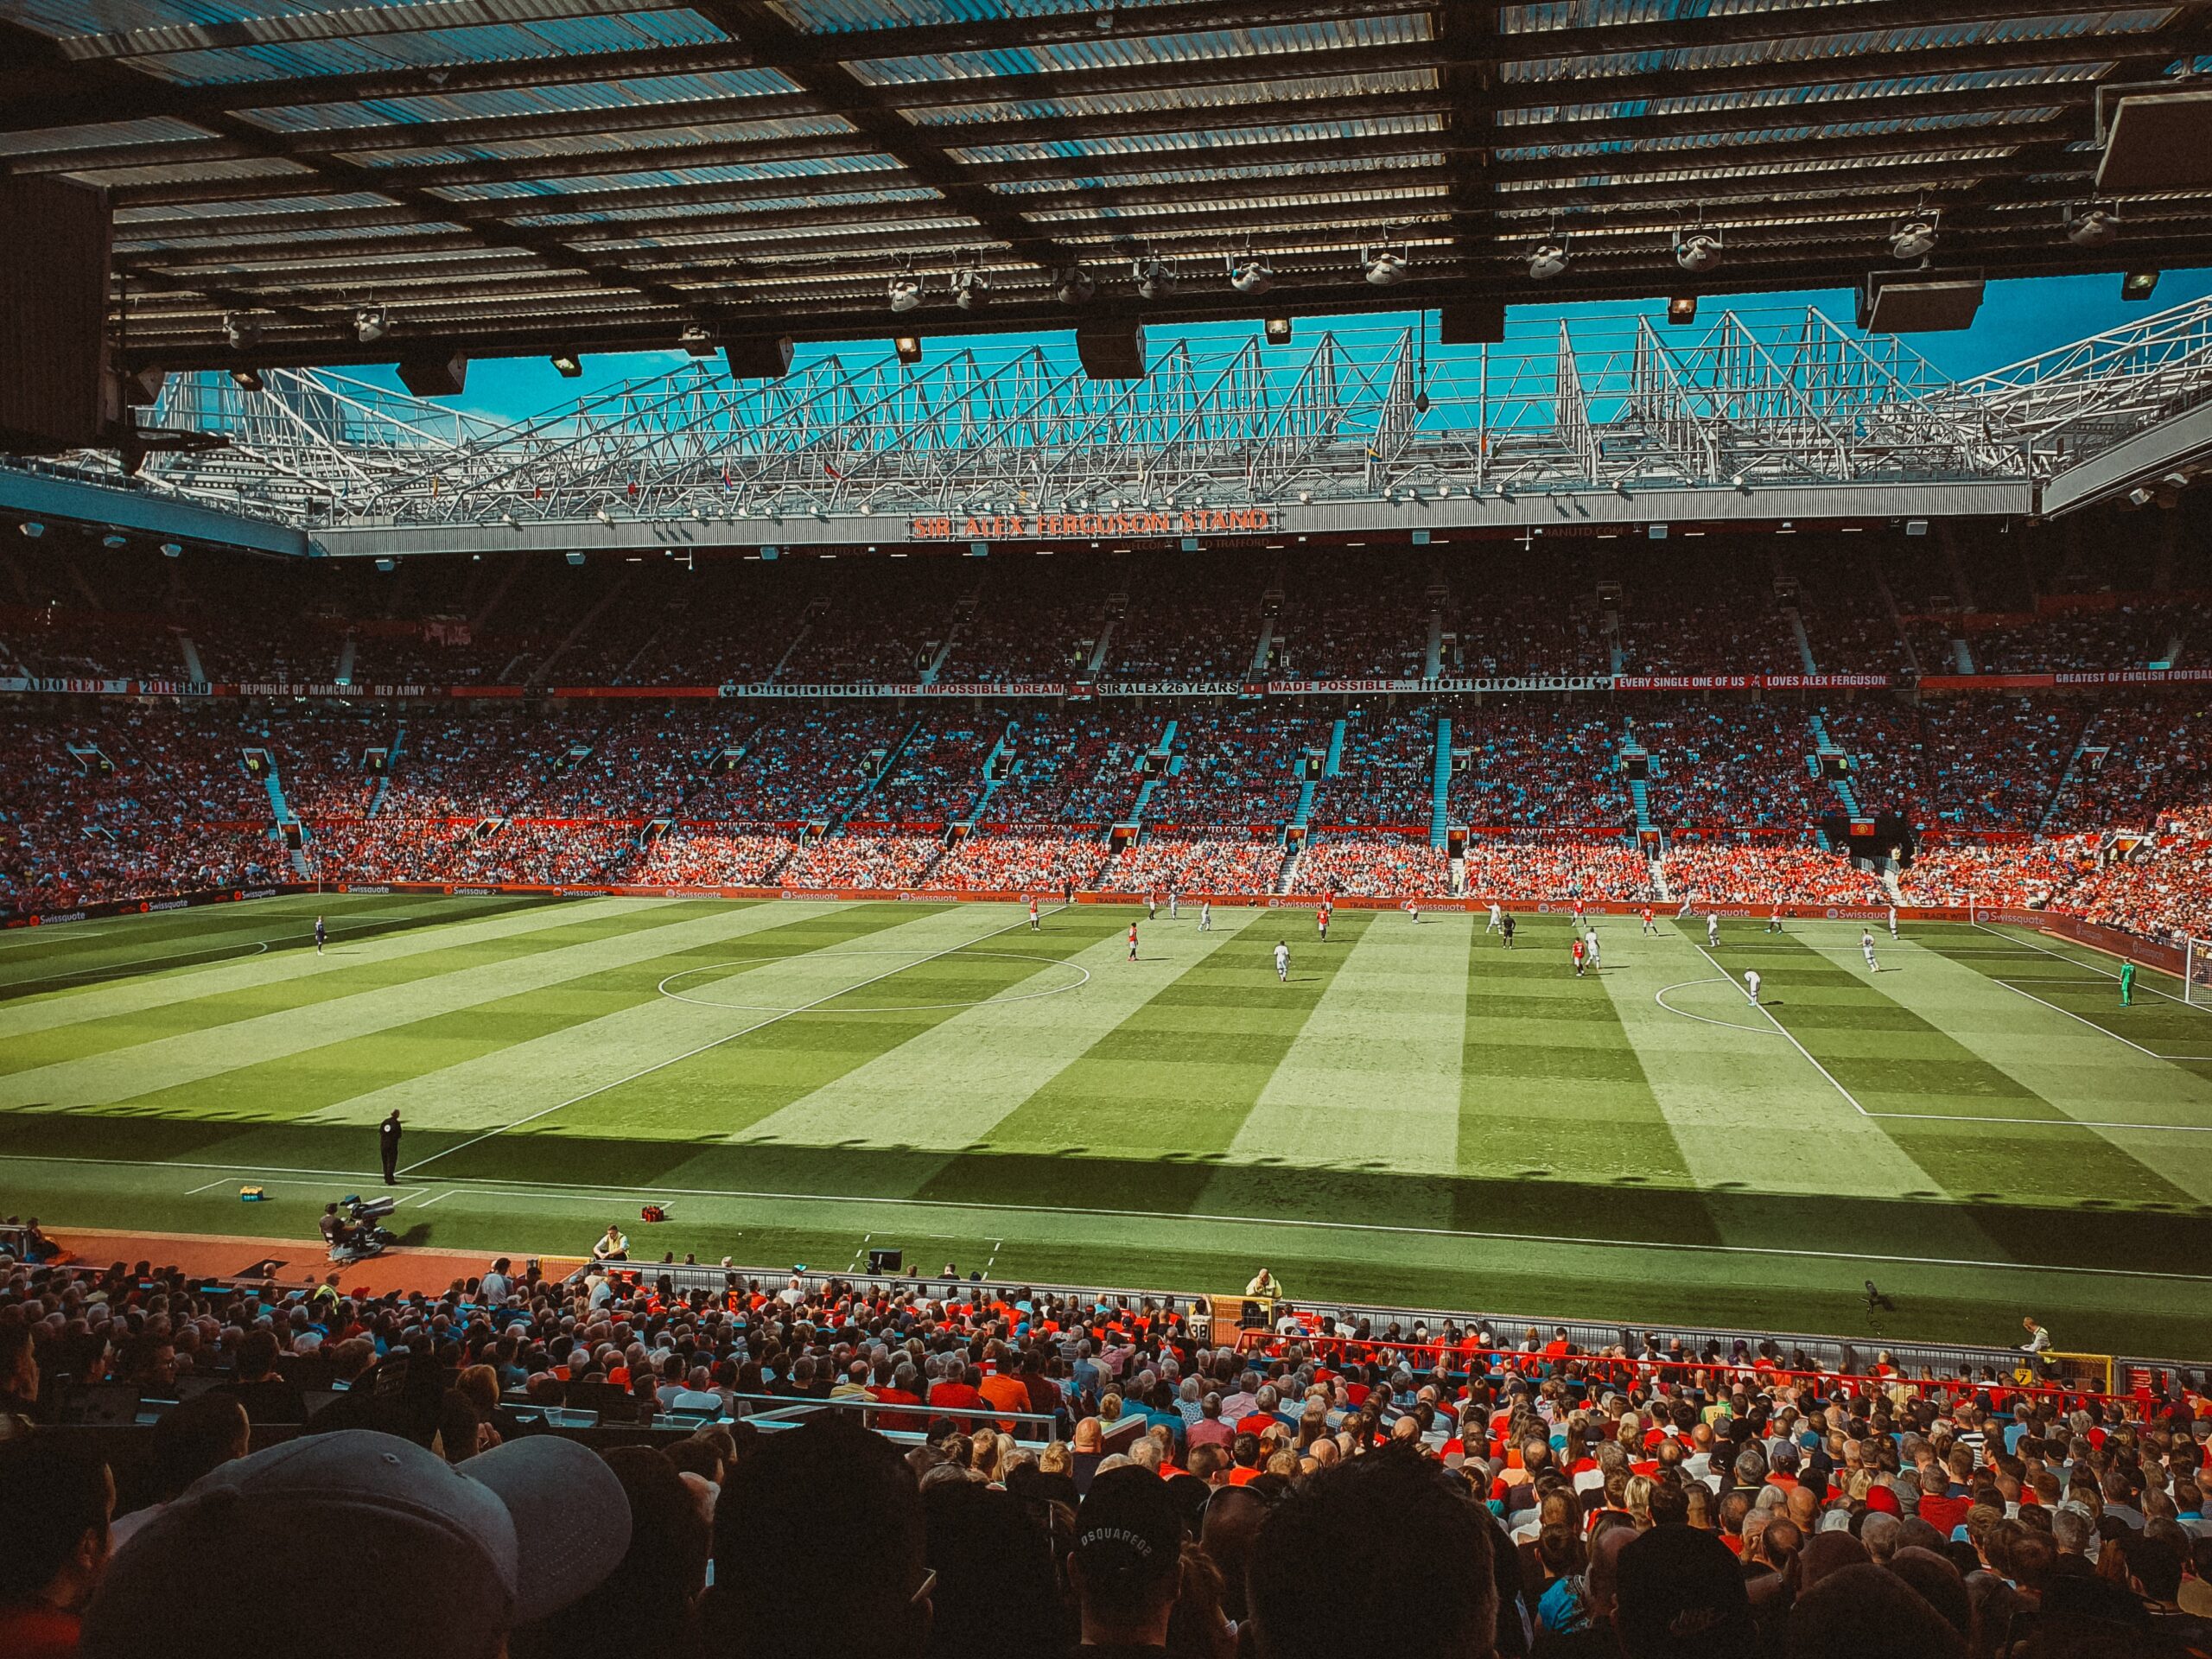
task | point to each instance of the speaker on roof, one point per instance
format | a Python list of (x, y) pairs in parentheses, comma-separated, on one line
[(1471, 322), (435, 373), (759, 357), (1111, 351), (1919, 301), (54, 292)]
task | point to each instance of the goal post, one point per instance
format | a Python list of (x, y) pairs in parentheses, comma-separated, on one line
[(2196, 974)]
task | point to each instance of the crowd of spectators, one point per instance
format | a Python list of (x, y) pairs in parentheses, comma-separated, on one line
[(1080, 766), (1237, 766), (1188, 618), (1712, 613), (2138, 758), (1767, 873), (1387, 773), (1166, 859), (1352, 617), (1034, 620), (938, 775), (1538, 765), (1037, 1475), (1732, 764), (2014, 875), (1374, 867), (1015, 858), (847, 859), (713, 855), (1525, 867)]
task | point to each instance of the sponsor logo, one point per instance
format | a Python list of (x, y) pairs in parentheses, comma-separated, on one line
[(171, 904), (471, 893), (356, 887), (63, 916), (259, 893)]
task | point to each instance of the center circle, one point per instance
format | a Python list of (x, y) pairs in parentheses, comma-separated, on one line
[(913, 961)]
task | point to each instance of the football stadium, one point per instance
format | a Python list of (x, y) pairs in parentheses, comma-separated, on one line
[(944, 784)]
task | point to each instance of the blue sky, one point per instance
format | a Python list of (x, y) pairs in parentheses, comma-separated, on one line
[(2018, 319)]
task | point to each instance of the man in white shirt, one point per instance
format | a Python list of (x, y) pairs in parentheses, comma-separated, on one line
[(1751, 985), (1282, 961)]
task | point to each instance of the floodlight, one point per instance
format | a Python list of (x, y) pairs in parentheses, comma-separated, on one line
[(909, 347), (1913, 238), (905, 292), (697, 340), (124, 541), (1385, 265), (241, 329), (2138, 496), (1548, 259), (172, 550), (1155, 277), (2138, 285), (1681, 309), (370, 324), (1697, 250), (246, 379), (1074, 286), (2094, 227), (1248, 273), (970, 288), (32, 528), (567, 365), (1277, 330)]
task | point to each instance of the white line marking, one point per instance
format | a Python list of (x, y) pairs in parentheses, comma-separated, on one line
[(2076, 961), (2094, 1025), (1660, 997), (220, 1180), (1970, 1117), (260, 948), (441, 1198), (691, 1054), (46, 936), (602, 1194)]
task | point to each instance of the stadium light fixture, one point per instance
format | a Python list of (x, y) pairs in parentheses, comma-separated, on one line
[(114, 540), (1548, 259), (1250, 275), (385, 567), (909, 347), (1074, 286), (604, 515), (1914, 237), (2139, 285), (575, 557), (172, 550), (370, 324), (246, 379), (1155, 277), (905, 293), (567, 365), (697, 340), (1385, 265), (2175, 480), (1697, 250), (970, 288), (1277, 330), (1683, 309), (2096, 225), (1306, 498), (2138, 496), (32, 528), (242, 329)]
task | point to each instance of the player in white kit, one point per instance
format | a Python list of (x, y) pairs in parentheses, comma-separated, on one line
[(1712, 929), (1866, 944), (1206, 915), (1751, 985), (1282, 962), (1496, 917), (1590, 945)]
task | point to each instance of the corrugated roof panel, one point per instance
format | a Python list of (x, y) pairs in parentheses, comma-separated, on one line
[(1200, 174), (1290, 89), (605, 143), (1232, 138), (735, 87), (832, 167), (1212, 46), (155, 130)]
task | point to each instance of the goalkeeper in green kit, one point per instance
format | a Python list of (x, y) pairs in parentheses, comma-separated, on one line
[(2127, 984)]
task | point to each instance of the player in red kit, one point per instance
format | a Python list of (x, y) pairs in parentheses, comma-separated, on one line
[(1133, 941)]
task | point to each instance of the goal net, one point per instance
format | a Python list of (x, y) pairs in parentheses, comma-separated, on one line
[(2196, 974)]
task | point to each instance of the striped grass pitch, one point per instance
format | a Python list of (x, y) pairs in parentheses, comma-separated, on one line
[(1416, 1115)]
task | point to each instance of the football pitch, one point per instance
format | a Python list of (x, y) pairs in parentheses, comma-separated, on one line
[(1418, 1116)]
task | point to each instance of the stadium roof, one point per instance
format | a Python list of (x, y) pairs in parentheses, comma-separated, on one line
[(510, 176)]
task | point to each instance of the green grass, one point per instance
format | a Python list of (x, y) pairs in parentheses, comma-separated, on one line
[(1418, 1117)]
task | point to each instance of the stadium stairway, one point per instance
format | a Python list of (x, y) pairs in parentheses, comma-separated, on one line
[(193, 669), (808, 618), (1895, 616), (1846, 797), (345, 654), (2065, 778), (891, 758), (992, 780), (1439, 784), (281, 810), (1804, 640), (1312, 786), (1431, 661), (383, 779), (1165, 746), (583, 625)]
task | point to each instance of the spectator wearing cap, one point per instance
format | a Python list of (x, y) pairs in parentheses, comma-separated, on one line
[(819, 1550), (361, 1531), (1383, 1554), (649, 1603), (1869, 1612), (56, 1504), (1125, 1569), (189, 1440)]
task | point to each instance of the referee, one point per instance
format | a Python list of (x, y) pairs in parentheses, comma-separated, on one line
[(387, 1144)]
